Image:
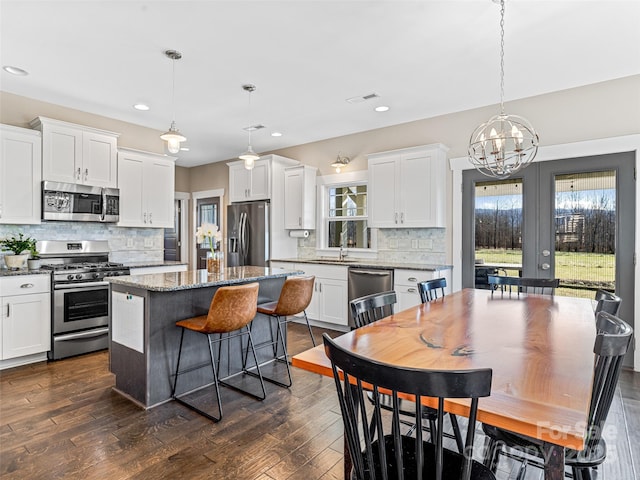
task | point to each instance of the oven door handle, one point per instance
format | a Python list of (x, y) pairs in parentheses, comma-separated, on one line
[(79, 286), (88, 334)]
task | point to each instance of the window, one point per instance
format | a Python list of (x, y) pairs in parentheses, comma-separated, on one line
[(347, 216)]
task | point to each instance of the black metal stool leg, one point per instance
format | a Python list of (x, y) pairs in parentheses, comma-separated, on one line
[(175, 378), (313, 340)]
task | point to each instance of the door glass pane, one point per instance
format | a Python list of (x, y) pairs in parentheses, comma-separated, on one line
[(498, 229), (585, 228)]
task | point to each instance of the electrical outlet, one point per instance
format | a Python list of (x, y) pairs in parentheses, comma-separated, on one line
[(129, 242), (414, 244), (426, 244), (393, 244), (148, 242)]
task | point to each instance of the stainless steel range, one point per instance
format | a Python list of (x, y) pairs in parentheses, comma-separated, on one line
[(80, 300)]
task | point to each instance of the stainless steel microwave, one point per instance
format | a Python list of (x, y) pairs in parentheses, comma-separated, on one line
[(79, 203)]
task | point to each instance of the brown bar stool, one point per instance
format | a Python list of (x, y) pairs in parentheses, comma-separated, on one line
[(230, 312), (295, 297)]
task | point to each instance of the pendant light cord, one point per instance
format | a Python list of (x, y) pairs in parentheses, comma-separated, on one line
[(173, 89), (502, 57)]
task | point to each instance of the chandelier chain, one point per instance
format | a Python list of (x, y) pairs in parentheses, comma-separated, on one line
[(502, 56)]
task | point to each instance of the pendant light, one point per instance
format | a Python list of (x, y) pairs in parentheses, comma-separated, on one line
[(249, 156), (173, 137), (340, 162), (505, 143)]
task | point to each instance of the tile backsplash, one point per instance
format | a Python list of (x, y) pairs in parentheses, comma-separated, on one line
[(125, 244), (403, 245)]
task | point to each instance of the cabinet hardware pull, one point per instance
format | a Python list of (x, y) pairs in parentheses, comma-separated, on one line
[(412, 290), (402, 217), (27, 285), (396, 217), (320, 288), (299, 221), (145, 217), (412, 279), (86, 173), (78, 174), (150, 217)]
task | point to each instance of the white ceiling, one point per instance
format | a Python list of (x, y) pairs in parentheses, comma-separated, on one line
[(424, 58)]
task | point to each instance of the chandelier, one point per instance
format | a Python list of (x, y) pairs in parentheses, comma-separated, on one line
[(173, 137), (505, 143)]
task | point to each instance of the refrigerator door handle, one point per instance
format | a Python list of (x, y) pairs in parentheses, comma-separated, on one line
[(243, 237)]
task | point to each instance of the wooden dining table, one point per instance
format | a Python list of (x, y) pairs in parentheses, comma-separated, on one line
[(539, 347)]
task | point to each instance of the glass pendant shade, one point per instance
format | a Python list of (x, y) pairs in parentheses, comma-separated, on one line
[(173, 137), (503, 145), (340, 162), (249, 158)]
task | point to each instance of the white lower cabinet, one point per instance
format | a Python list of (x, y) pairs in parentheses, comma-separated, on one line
[(127, 320), (26, 316), (405, 283), (329, 301)]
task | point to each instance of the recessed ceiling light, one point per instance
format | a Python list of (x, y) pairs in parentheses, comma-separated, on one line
[(276, 134), (15, 70), (184, 149), (381, 108), (141, 106)]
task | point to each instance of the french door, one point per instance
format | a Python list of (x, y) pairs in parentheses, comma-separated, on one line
[(570, 219)]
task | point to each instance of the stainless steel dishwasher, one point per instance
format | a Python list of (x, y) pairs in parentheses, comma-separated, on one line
[(365, 281)]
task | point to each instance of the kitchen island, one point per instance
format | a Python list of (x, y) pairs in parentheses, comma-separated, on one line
[(144, 340)]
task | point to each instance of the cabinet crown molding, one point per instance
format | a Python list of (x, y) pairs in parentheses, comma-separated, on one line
[(39, 122), (128, 151), (417, 149), (25, 131)]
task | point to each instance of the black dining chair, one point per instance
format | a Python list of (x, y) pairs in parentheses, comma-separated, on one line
[(429, 289), (611, 345), (540, 286), (607, 302), (374, 307), (382, 451)]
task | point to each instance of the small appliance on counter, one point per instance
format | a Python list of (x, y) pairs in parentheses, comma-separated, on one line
[(80, 295)]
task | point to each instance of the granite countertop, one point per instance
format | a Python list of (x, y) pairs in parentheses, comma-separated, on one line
[(23, 271), (365, 263), (169, 282), (152, 263)]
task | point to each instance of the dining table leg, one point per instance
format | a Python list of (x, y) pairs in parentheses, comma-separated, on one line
[(553, 461)]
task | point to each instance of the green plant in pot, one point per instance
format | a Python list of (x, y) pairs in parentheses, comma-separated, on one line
[(18, 245)]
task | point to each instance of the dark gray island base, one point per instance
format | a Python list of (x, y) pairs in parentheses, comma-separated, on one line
[(144, 340)]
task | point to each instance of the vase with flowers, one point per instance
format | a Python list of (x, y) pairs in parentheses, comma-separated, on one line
[(18, 245), (209, 234)]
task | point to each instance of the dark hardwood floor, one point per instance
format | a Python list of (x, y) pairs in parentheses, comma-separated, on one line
[(63, 420)]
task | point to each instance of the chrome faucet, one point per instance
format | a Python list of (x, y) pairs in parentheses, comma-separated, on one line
[(342, 253)]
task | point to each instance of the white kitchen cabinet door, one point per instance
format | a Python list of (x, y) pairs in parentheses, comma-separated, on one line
[(333, 301), (26, 325), (159, 193), (130, 179), (248, 185), (99, 160), (381, 191), (146, 183), (62, 154), (77, 154), (127, 320), (20, 175), (407, 188), (300, 197)]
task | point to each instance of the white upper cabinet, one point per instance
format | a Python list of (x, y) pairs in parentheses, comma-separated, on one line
[(407, 188), (146, 182), (247, 185), (20, 175), (77, 154), (300, 197)]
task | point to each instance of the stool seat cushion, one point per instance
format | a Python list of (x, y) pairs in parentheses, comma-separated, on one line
[(267, 308), (197, 324)]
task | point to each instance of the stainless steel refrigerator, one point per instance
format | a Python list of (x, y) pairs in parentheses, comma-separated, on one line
[(248, 234)]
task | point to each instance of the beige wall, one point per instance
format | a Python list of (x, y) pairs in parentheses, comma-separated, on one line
[(19, 111)]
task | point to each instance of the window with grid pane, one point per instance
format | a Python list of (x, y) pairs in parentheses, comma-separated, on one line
[(347, 217)]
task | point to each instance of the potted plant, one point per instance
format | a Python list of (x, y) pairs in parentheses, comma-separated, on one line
[(34, 262), (18, 245)]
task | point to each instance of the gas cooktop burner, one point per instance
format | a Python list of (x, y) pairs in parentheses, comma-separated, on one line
[(84, 266)]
